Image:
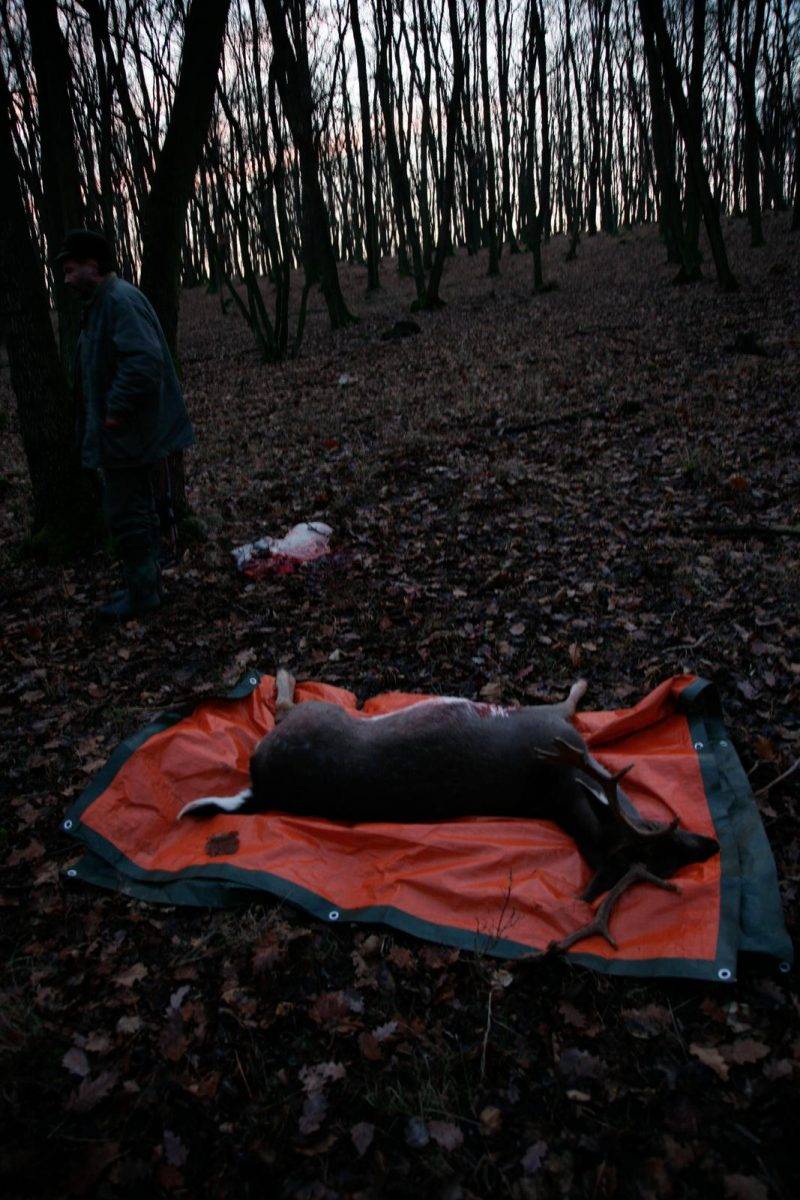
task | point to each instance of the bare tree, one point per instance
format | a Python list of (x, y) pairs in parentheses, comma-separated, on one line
[(46, 420)]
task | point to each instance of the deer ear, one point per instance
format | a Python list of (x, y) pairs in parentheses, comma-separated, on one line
[(598, 804)]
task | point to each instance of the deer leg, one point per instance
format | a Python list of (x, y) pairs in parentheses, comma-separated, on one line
[(599, 923), (284, 694)]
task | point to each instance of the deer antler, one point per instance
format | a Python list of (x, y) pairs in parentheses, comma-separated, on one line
[(631, 835), (638, 873), (575, 757)]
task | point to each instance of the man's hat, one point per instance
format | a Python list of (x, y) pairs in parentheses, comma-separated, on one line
[(82, 244)]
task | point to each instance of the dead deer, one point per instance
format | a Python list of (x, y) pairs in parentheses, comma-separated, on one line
[(445, 758)]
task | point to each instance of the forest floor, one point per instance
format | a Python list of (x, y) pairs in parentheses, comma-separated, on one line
[(532, 487)]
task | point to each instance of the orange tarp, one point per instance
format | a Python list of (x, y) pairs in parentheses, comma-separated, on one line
[(508, 879)]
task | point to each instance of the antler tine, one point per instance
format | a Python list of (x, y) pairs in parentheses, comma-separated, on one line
[(575, 756), (619, 813), (638, 873)]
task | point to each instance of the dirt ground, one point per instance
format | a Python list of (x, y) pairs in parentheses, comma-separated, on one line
[(528, 489)]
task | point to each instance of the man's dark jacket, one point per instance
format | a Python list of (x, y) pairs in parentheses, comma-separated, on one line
[(126, 373)]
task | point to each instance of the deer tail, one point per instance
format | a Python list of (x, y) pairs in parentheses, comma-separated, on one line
[(576, 694), (206, 806)]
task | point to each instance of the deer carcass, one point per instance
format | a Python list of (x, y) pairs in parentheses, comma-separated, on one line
[(445, 758)]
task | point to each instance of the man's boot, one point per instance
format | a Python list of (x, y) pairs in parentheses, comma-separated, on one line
[(143, 592)]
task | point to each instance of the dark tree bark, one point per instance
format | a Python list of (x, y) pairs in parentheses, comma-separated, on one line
[(503, 54), (61, 204), (432, 299), (371, 230), (651, 11), (692, 255), (44, 407), (669, 205), (607, 205), (538, 33), (533, 219), (494, 256), (398, 169), (293, 78), (744, 59), (165, 211), (98, 24), (577, 213)]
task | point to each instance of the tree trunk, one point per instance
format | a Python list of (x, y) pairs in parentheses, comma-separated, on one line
[(652, 11), (165, 211), (751, 129), (371, 232), (44, 407), (494, 257), (538, 31), (503, 52), (432, 299), (692, 257), (292, 75), (669, 207), (398, 170), (61, 207)]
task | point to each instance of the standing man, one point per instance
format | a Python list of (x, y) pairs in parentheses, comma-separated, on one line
[(132, 413)]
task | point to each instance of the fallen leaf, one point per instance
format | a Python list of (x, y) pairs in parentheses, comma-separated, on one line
[(315, 1109), (417, 1134), (446, 1134), (175, 1152), (129, 1024), (29, 853), (131, 975), (647, 1022), (746, 1050), (172, 1042), (576, 1064), (533, 1157), (368, 1044), (744, 1187), (92, 1091), (361, 1136), (98, 1043), (491, 1120), (710, 1057), (76, 1062), (315, 1078)]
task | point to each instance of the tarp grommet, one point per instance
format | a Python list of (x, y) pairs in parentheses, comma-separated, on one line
[(724, 973), (68, 824), (699, 746), (333, 915), (72, 873), (784, 968), (253, 680)]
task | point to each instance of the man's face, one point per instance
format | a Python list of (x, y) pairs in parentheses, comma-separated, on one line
[(83, 276)]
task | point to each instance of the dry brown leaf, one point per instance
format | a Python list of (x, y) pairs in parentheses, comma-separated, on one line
[(710, 1057), (744, 1187), (446, 1135), (361, 1136), (76, 1062), (131, 975), (92, 1091), (491, 1120), (746, 1050)]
